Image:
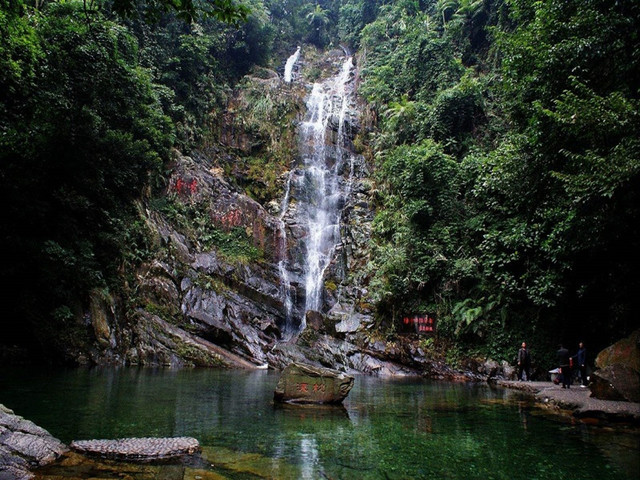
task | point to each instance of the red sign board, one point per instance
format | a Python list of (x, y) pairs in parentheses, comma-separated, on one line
[(423, 324)]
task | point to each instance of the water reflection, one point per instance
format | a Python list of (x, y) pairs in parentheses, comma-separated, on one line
[(394, 429)]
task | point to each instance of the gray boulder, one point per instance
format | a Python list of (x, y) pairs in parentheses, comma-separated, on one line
[(301, 383), (616, 382), (24, 445)]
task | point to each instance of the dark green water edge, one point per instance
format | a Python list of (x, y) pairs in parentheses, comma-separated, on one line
[(386, 429)]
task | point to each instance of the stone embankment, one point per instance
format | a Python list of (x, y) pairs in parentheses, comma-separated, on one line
[(577, 401)]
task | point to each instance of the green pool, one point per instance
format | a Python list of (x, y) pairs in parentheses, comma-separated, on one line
[(387, 428)]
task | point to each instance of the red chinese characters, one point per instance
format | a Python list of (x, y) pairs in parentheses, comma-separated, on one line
[(231, 219), (183, 187), (319, 387), (422, 323), (303, 387)]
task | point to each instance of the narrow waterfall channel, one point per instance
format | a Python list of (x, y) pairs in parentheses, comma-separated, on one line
[(288, 67), (317, 189), (282, 247)]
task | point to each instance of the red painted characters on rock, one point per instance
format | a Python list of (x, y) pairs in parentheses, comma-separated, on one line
[(184, 187)]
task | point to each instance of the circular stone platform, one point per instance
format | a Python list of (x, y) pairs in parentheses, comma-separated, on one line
[(138, 448)]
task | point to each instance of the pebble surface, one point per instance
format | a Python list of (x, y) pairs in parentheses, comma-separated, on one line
[(144, 448)]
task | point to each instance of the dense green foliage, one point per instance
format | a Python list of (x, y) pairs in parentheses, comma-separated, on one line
[(225, 10), (82, 129), (89, 108), (505, 136), (510, 170)]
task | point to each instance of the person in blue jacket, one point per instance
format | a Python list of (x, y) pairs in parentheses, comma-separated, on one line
[(580, 359)]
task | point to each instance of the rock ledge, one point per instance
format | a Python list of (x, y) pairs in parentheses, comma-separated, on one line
[(577, 401), (24, 446)]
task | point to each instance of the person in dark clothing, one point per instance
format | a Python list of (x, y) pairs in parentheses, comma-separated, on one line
[(580, 359), (524, 362), (564, 361)]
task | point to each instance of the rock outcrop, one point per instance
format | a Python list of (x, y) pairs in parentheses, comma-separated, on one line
[(213, 293), (615, 382), (618, 371), (624, 352), (300, 383), (24, 446)]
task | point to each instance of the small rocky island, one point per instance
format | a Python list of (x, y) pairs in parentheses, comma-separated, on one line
[(301, 383)]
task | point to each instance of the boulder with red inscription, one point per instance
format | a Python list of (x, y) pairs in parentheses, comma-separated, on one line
[(301, 383)]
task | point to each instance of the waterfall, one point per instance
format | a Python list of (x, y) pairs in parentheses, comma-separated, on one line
[(288, 67), (315, 193), (283, 247), (321, 189)]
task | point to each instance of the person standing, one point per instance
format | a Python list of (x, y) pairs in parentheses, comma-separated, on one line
[(564, 361), (581, 360), (524, 362)]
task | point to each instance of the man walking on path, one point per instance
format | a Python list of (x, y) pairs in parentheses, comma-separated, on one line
[(581, 361), (564, 361), (524, 362)]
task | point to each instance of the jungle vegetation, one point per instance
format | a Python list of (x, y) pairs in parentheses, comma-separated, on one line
[(505, 136)]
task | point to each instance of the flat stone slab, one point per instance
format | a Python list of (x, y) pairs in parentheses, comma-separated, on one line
[(578, 401), (141, 449)]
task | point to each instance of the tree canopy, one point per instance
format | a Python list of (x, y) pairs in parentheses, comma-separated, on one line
[(504, 135)]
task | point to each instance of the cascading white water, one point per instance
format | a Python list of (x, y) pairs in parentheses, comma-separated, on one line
[(317, 190), (288, 67), (321, 189), (282, 264)]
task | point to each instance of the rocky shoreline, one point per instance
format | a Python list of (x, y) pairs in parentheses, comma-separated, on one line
[(25, 447), (576, 402)]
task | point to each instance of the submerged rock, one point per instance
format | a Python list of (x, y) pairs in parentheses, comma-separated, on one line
[(300, 383)]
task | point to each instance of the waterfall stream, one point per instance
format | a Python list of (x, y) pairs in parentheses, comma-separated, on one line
[(282, 246), (319, 186), (288, 67)]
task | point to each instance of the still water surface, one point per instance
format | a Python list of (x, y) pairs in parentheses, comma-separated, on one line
[(387, 429)]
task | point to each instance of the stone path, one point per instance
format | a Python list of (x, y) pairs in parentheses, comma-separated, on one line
[(138, 448), (577, 400)]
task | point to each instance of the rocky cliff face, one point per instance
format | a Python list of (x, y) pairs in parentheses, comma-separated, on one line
[(213, 294)]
